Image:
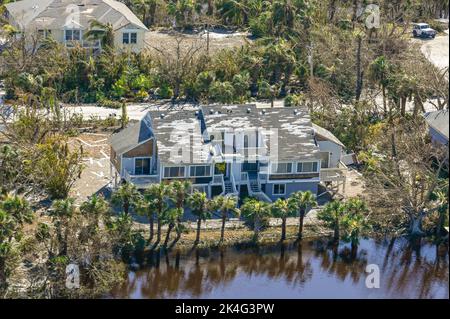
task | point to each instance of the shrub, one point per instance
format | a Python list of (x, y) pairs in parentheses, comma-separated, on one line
[(222, 92)]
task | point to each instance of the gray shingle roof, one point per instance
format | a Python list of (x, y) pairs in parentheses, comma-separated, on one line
[(293, 126), (326, 134), (55, 14), (438, 120), (132, 136), (177, 129)]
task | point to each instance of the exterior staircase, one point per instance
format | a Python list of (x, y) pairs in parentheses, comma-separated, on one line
[(228, 187), (255, 191), (254, 186)]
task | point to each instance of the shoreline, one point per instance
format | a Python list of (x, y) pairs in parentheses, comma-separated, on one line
[(210, 238)]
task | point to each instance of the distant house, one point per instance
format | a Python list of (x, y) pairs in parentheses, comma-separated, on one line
[(66, 21), (240, 150), (438, 126)]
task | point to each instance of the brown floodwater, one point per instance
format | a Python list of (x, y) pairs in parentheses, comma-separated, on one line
[(313, 269)]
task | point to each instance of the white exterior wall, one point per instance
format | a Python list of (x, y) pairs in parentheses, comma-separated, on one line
[(128, 165), (334, 149), (140, 44)]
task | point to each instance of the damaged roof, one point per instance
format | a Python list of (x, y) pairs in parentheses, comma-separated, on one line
[(181, 128), (178, 132), (60, 14), (292, 125)]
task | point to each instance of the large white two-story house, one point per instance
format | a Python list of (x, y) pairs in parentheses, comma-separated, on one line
[(66, 21), (231, 149)]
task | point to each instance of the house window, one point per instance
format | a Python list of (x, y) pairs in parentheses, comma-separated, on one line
[(133, 37), (279, 189), (174, 172), (44, 34), (307, 167), (281, 168), (129, 37), (72, 36), (200, 171), (142, 166)]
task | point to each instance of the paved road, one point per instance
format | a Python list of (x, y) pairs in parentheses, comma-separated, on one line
[(436, 50)]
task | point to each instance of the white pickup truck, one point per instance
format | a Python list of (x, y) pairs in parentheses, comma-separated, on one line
[(423, 30)]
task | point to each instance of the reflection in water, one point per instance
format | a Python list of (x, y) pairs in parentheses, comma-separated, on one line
[(311, 269)]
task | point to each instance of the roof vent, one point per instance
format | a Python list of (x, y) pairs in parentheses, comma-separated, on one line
[(249, 110), (229, 111), (162, 116), (197, 113), (211, 111), (295, 112), (263, 112)]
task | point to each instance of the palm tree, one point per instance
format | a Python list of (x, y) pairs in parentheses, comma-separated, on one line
[(103, 32), (62, 211), (179, 196), (379, 73), (332, 215), (127, 195), (255, 210), (144, 208), (94, 208), (158, 198), (354, 222), (283, 209), (304, 201), (200, 206), (225, 205), (18, 208), (171, 218)]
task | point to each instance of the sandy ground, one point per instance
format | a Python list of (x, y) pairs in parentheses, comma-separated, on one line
[(163, 40), (96, 175)]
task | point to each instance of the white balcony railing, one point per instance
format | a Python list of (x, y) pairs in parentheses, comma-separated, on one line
[(141, 180), (332, 175)]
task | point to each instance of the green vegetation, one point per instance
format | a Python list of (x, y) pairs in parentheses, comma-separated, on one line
[(367, 86)]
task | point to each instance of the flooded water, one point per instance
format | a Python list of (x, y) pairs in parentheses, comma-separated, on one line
[(312, 270)]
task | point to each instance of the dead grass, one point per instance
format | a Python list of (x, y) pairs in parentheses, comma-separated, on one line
[(211, 237)]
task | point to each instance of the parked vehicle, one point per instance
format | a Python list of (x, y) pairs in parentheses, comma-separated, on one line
[(423, 30)]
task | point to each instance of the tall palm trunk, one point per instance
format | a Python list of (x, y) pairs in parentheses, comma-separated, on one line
[(359, 73), (283, 229), (158, 230), (256, 228), (354, 249), (222, 230), (199, 225), (126, 207), (336, 235), (300, 224), (178, 237), (151, 220), (169, 230)]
